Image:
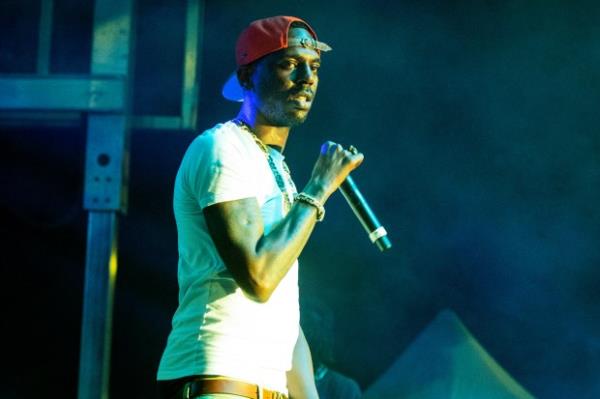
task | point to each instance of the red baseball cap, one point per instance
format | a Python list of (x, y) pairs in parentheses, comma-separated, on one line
[(262, 37)]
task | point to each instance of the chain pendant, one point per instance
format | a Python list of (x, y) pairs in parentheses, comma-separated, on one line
[(288, 199)]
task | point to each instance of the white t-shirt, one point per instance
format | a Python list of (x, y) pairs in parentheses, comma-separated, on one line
[(217, 329)]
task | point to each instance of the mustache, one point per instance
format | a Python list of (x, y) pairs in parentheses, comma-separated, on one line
[(308, 93)]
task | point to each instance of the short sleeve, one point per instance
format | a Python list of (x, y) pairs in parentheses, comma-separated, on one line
[(218, 168)]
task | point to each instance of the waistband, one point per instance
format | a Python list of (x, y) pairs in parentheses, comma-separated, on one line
[(209, 385)]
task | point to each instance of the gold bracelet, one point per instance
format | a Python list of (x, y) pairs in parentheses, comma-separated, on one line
[(310, 200)]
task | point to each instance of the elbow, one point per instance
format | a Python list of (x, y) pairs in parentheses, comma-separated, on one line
[(255, 285), (256, 293), (260, 286), (259, 290), (260, 296)]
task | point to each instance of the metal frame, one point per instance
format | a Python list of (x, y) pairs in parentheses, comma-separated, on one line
[(102, 98), (34, 93), (105, 194), (77, 93), (191, 71), (45, 37), (189, 94)]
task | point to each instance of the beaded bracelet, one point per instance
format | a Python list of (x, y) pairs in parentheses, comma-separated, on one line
[(313, 202)]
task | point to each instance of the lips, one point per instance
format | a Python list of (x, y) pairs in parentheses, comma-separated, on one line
[(304, 96)]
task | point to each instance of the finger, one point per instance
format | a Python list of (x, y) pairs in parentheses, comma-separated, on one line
[(353, 161), (354, 155), (325, 147), (358, 158), (329, 147)]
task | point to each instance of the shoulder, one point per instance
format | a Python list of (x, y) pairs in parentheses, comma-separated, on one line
[(224, 141), (223, 134)]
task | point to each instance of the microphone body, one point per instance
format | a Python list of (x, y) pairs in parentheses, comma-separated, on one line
[(365, 215)]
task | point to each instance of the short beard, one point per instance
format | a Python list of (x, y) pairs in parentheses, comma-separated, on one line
[(277, 117)]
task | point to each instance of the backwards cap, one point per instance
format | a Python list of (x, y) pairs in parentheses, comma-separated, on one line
[(262, 37)]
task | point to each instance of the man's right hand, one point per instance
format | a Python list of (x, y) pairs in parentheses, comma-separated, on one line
[(331, 169)]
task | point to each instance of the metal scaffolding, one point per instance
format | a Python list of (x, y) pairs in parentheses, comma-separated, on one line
[(103, 98)]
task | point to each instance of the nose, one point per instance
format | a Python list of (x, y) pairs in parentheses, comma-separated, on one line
[(305, 74)]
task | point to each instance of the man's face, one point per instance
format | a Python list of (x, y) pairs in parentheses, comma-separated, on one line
[(285, 83)]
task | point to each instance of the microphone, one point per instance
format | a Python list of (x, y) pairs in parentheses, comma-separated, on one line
[(365, 215)]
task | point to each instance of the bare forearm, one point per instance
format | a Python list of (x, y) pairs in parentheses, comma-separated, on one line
[(277, 251)]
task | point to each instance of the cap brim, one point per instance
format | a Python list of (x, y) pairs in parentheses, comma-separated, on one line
[(232, 90)]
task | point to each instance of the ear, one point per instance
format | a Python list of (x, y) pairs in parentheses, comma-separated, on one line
[(244, 75)]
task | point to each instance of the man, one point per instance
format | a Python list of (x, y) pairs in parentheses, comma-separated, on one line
[(241, 226)]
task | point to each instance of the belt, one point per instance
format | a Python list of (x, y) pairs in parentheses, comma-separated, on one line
[(203, 385)]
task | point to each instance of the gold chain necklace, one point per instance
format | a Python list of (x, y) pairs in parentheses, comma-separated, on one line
[(288, 198)]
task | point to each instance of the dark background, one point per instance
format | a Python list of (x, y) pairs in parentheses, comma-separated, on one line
[(479, 123)]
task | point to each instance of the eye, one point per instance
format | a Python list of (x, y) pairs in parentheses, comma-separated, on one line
[(315, 67), (287, 65)]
